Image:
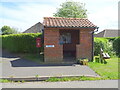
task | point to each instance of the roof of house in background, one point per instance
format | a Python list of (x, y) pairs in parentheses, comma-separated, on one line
[(57, 22), (108, 33), (37, 28)]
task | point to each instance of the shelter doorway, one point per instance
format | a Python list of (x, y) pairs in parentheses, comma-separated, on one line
[(69, 39)]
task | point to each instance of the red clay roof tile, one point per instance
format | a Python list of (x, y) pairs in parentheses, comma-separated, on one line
[(67, 22)]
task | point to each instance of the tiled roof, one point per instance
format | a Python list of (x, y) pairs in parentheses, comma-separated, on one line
[(37, 28), (108, 33), (67, 22)]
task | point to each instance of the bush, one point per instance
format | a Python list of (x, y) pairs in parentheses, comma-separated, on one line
[(99, 43), (116, 46), (110, 50), (106, 44), (21, 43)]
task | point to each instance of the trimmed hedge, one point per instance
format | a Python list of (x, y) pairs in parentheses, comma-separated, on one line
[(116, 46), (26, 43), (21, 43)]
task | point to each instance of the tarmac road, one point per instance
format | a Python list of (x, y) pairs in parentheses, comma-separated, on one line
[(69, 84), (18, 68)]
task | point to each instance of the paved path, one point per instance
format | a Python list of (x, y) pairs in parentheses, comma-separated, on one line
[(17, 67), (72, 84)]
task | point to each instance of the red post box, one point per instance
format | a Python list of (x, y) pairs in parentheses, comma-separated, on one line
[(38, 42)]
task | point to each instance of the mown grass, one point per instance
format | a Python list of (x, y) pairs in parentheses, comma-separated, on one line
[(109, 70)]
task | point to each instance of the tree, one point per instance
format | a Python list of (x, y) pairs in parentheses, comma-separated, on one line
[(71, 9), (8, 30)]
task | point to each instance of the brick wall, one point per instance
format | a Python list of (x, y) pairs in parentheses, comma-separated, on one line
[(52, 54), (55, 54), (84, 49)]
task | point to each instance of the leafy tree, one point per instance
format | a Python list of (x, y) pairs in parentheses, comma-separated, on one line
[(8, 30), (71, 9)]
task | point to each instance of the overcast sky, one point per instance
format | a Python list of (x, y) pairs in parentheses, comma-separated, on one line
[(22, 14)]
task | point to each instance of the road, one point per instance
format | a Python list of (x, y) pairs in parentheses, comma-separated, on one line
[(70, 84), (16, 66)]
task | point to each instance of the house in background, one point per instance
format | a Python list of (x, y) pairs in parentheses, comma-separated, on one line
[(67, 37), (108, 33), (37, 28)]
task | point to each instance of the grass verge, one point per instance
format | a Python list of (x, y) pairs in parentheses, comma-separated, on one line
[(109, 70), (80, 78)]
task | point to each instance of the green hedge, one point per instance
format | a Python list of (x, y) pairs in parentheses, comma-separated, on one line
[(116, 46), (21, 43), (26, 43)]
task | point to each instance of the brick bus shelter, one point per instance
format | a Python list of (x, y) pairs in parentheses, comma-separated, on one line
[(67, 38)]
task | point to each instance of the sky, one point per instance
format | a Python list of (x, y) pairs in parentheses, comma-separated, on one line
[(22, 14)]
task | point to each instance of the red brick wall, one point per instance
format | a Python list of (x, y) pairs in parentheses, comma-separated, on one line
[(84, 49), (52, 54), (55, 54)]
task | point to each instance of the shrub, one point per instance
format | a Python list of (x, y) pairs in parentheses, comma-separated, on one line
[(99, 43), (21, 43), (110, 50), (106, 44), (116, 46)]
